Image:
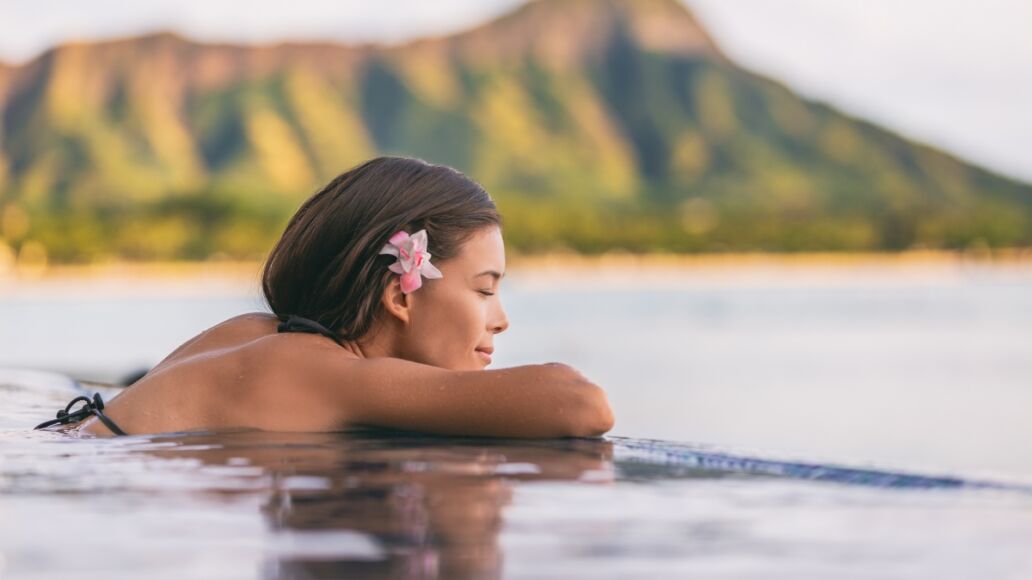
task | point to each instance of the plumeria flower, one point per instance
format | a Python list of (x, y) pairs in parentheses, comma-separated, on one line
[(413, 259)]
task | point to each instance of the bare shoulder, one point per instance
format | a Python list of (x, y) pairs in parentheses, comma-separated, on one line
[(296, 360), (245, 322), (232, 332), (292, 382)]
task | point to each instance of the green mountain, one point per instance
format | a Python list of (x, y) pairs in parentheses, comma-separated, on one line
[(595, 124)]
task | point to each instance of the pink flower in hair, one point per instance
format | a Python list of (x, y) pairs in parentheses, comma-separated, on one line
[(413, 259)]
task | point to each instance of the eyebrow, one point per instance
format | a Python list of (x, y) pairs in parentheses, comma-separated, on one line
[(494, 274)]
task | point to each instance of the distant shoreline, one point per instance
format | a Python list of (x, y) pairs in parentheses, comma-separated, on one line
[(250, 271)]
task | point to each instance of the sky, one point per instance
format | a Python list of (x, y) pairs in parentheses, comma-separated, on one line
[(953, 73)]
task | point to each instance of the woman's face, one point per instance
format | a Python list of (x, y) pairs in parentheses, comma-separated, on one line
[(453, 320)]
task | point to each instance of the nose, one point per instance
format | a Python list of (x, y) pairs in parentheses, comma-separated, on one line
[(501, 322)]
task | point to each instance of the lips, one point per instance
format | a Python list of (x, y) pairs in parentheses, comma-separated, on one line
[(485, 353)]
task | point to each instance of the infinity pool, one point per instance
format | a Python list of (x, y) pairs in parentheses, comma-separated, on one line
[(378, 504)]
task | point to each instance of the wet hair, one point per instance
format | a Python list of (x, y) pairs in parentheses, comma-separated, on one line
[(327, 267)]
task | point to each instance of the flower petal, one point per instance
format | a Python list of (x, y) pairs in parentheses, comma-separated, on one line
[(410, 281), (419, 240), (398, 237), (389, 249), (430, 271), (396, 268)]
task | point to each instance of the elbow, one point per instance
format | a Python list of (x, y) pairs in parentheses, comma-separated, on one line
[(597, 416)]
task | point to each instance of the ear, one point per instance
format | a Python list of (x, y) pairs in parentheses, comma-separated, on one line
[(397, 303)]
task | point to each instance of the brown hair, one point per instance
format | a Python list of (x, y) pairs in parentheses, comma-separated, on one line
[(326, 266)]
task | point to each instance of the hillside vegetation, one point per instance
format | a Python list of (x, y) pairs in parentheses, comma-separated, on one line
[(595, 125)]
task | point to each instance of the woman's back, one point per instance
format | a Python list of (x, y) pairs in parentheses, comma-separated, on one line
[(206, 382)]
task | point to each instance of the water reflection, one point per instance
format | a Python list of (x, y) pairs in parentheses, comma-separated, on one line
[(432, 506), (379, 503), (376, 504)]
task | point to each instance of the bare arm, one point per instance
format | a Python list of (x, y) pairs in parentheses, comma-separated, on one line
[(535, 400), (530, 401)]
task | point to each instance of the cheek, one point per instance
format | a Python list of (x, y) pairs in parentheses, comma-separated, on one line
[(451, 326)]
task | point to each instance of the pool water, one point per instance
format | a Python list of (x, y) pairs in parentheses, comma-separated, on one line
[(388, 504)]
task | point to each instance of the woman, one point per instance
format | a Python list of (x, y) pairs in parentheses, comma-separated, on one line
[(365, 329)]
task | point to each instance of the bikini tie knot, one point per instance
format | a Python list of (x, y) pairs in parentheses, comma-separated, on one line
[(67, 415), (94, 406)]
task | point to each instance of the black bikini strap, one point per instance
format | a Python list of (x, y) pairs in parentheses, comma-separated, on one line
[(300, 324), (91, 407)]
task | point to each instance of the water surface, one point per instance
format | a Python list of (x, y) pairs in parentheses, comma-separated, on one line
[(388, 504)]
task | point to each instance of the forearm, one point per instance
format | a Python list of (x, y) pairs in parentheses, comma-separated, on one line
[(529, 401)]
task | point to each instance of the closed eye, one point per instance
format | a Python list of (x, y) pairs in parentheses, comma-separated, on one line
[(486, 293)]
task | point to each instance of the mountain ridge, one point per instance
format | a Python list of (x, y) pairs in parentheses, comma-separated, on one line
[(621, 127)]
